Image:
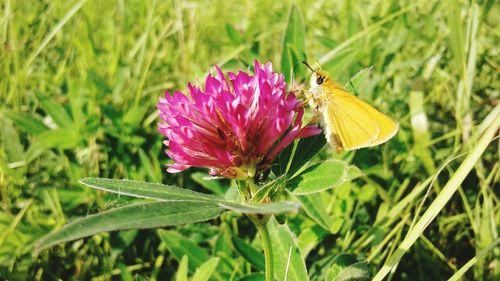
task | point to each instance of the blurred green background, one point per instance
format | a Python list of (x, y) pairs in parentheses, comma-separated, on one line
[(79, 82)]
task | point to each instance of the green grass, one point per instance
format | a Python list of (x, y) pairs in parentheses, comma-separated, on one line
[(79, 82)]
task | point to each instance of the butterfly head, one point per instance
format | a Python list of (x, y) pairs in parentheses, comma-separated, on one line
[(319, 79)]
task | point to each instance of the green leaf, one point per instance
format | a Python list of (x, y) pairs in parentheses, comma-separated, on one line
[(248, 252), (306, 150), (27, 122), (294, 42), (302, 150), (234, 34), (11, 143), (288, 261), (125, 274), (156, 191), (182, 269), (315, 209), (163, 192), (269, 208), (148, 166), (63, 138), (267, 188), (456, 36), (356, 83), (340, 262), (367, 193), (323, 176), (142, 215), (134, 116), (122, 241), (222, 244), (486, 9), (345, 267), (309, 238), (56, 111), (358, 271), (206, 270), (179, 246), (327, 41)]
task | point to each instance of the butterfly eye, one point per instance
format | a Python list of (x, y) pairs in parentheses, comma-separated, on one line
[(319, 80)]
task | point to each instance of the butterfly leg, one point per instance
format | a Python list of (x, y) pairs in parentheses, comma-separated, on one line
[(308, 98), (316, 117)]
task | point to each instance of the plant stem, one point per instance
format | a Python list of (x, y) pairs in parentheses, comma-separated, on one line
[(266, 244), (252, 186), (260, 222)]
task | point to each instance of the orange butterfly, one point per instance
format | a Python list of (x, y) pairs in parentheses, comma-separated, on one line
[(349, 122)]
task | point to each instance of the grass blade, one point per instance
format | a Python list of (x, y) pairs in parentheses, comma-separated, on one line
[(54, 31), (254, 257), (457, 276), (294, 42), (330, 55), (443, 197)]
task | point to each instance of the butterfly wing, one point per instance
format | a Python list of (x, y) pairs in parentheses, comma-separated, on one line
[(351, 123), (388, 127)]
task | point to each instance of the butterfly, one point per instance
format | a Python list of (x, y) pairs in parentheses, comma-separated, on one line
[(349, 123)]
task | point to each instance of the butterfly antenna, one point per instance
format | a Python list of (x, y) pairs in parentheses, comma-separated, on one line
[(319, 65), (308, 66)]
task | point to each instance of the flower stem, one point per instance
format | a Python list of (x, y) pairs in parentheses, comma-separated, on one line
[(252, 186), (266, 244), (260, 222)]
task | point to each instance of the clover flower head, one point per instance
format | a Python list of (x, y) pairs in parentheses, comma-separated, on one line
[(235, 125)]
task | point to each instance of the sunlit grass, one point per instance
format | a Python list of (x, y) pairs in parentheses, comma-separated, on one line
[(79, 81)]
